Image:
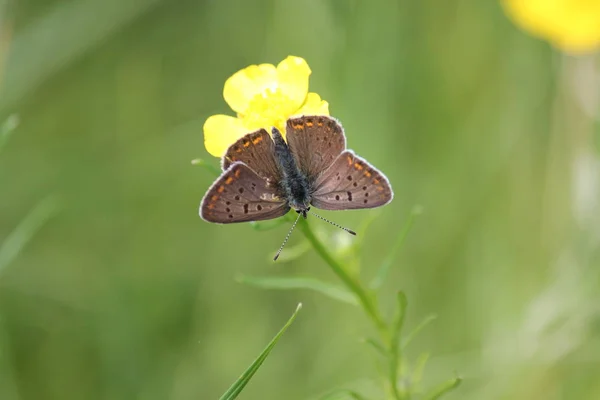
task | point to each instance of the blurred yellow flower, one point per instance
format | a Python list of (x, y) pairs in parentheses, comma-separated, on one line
[(263, 96), (571, 25)]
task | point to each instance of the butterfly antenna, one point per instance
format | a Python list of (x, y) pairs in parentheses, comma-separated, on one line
[(286, 238), (350, 231)]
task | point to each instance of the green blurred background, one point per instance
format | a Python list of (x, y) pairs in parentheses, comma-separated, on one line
[(124, 293)]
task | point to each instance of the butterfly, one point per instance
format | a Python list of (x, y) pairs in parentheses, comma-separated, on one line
[(265, 176)]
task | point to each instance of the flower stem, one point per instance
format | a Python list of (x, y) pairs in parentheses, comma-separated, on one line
[(351, 283)]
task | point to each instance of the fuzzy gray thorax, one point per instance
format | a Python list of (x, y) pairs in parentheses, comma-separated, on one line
[(294, 183)]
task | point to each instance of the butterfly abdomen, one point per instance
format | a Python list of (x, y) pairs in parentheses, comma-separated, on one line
[(293, 182)]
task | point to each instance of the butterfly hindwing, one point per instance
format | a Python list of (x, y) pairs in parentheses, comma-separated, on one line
[(315, 142), (256, 150), (351, 183), (241, 195)]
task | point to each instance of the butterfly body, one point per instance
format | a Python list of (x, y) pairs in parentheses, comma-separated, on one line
[(294, 183), (265, 176)]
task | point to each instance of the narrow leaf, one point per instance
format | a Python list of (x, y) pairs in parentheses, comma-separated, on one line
[(207, 166), (395, 354), (443, 388), (384, 269), (418, 329), (287, 283), (243, 380), (19, 237)]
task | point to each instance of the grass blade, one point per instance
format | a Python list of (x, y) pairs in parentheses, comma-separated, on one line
[(243, 380), (287, 283)]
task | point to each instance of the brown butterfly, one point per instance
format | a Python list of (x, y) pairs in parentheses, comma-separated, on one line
[(264, 177)]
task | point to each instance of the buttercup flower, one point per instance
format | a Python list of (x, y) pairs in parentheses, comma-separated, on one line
[(262, 96), (571, 25)]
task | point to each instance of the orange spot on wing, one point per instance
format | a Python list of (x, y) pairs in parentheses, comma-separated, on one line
[(376, 181), (228, 180), (257, 140), (220, 189), (309, 124), (214, 198), (367, 174), (358, 166), (237, 173), (210, 206), (349, 158), (298, 125), (246, 143)]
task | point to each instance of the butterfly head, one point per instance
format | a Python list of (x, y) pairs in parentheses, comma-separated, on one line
[(303, 211)]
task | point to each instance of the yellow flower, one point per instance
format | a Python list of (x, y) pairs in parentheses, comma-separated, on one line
[(571, 25), (263, 96)]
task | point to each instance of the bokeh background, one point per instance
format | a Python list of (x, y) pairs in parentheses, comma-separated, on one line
[(122, 292)]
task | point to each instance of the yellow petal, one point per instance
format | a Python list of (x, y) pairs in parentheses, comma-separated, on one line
[(571, 25), (314, 106), (292, 80), (245, 84), (220, 132), (534, 15)]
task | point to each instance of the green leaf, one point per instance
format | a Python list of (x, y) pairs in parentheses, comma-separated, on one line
[(207, 166), (243, 380), (385, 267), (395, 354), (418, 329), (287, 283), (19, 237), (443, 388)]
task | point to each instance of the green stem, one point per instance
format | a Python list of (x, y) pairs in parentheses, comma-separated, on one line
[(351, 283)]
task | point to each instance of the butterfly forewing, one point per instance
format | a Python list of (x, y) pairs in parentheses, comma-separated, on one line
[(256, 150), (351, 183), (240, 195), (315, 142)]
